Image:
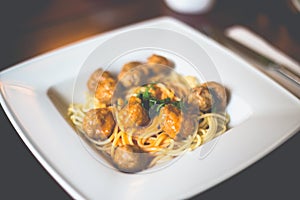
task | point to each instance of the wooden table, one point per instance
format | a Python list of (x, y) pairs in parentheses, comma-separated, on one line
[(32, 27)]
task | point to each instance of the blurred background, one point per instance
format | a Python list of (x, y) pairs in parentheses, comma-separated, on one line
[(32, 27)]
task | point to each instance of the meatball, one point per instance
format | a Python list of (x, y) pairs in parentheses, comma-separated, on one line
[(130, 159), (219, 95), (94, 79), (103, 84), (153, 89), (156, 59), (98, 123), (209, 95), (133, 79), (133, 74), (133, 114), (171, 120), (157, 63), (188, 127), (127, 67), (157, 92), (201, 97)]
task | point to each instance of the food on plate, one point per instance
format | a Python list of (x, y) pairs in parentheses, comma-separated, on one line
[(103, 84), (148, 114), (130, 158), (98, 123), (133, 114)]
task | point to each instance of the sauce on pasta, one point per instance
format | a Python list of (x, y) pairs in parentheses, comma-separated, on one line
[(148, 114)]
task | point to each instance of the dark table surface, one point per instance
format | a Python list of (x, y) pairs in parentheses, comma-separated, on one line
[(32, 27)]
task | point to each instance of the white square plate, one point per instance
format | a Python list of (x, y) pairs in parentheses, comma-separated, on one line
[(36, 93)]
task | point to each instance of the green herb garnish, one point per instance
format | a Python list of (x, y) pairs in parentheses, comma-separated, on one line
[(151, 102)]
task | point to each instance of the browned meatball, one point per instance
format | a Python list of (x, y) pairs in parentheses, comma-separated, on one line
[(188, 127), (219, 95), (127, 67), (171, 120), (157, 92), (201, 97), (98, 123), (133, 74), (209, 95), (130, 159), (157, 63), (157, 59), (94, 79), (105, 86), (133, 79), (133, 114)]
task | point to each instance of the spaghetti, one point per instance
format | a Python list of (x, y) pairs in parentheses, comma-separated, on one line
[(153, 120)]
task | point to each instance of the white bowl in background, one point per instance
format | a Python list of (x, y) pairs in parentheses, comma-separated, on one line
[(190, 6)]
